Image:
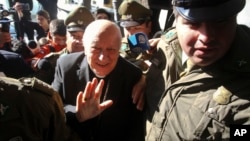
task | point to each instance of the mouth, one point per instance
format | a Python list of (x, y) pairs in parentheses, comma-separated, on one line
[(204, 52), (102, 64)]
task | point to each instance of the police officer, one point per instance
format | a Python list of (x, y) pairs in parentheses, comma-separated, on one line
[(31, 110), (204, 63), (135, 18), (76, 22)]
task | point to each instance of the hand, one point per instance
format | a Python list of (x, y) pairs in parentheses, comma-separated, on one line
[(138, 93), (18, 6), (153, 44), (88, 102)]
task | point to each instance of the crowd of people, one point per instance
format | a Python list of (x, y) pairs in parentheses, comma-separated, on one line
[(81, 78)]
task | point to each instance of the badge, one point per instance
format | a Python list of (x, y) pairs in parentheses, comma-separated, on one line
[(222, 95), (128, 17), (80, 22)]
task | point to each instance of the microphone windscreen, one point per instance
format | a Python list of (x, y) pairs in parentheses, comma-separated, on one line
[(138, 42), (32, 44)]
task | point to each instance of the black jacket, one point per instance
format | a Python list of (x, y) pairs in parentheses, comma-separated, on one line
[(122, 121)]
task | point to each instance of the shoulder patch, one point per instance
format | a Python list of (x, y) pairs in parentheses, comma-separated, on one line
[(169, 35)]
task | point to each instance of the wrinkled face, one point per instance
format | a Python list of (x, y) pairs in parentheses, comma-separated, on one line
[(145, 28), (74, 41), (102, 52), (205, 42), (42, 21)]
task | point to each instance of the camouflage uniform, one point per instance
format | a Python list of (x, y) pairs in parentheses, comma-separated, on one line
[(32, 111), (203, 104)]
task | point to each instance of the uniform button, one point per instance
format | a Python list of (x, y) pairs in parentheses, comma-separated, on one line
[(211, 110)]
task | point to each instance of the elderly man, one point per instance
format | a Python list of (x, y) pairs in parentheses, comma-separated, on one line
[(100, 62)]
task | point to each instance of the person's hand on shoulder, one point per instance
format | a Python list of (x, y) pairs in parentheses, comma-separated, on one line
[(153, 44), (88, 102), (138, 93)]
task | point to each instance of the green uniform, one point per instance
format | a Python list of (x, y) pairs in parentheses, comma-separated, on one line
[(165, 69), (31, 110), (203, 104)]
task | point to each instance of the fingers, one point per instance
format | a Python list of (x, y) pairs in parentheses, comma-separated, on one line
[(140, 103), (98, 90), (139, 89), (153, 42), (87, 91), (135, 94), (153, 45), (93, 89), (106, 104), (79, 100)]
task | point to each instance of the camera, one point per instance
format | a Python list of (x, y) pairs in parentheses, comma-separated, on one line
[(4, 21)]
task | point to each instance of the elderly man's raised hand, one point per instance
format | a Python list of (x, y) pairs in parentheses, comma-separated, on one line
[(88, 102)]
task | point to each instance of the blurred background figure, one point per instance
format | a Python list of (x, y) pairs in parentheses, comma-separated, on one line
[(22, 18), (50, 6), (56, 41), (43, 19), (101, 13)]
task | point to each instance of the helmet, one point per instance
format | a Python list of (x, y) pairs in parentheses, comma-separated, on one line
[(208, 10)]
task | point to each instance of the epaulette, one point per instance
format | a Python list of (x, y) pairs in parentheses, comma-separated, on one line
[(37, 84), (8, 80)]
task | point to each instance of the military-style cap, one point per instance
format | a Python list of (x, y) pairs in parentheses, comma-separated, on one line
[(133, 13), (208, 10), (78, 19)]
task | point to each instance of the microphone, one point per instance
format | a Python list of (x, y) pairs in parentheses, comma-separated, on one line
[(138, 42), (32, 44)]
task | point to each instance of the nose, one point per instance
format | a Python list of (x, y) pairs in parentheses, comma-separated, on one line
[(206, 33), (103, 55)]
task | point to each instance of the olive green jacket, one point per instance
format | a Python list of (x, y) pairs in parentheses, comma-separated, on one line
[(203, 104), (30, 110), (164, 70)]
